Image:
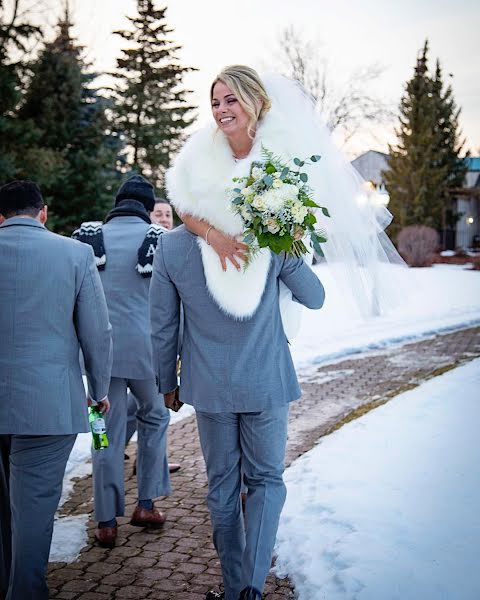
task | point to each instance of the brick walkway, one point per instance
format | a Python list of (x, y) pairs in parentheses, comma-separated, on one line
[(179, 562)]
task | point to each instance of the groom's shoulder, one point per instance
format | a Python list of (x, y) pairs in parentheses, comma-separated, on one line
[(177, 239)]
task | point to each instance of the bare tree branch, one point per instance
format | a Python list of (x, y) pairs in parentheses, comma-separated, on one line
[(17, 29), (348, 107)]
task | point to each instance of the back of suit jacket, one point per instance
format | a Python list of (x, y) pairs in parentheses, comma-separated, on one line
[(126, 292), (51, 304), (228, 365)]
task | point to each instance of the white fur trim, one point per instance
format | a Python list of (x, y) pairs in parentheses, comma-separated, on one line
[(238, 293)]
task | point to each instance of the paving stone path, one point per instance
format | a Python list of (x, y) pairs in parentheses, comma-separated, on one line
[(179, 562)]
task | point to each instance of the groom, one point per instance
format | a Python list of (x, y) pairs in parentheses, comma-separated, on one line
[(240, 378)]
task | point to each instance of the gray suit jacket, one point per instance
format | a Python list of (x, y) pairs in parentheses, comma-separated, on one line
[(227, 365), (126, 292), (51, 304)]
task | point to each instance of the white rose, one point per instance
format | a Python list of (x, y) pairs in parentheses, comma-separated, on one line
[(259, 202), (272, 225), (277, 183), (246, 191), (257, 173)]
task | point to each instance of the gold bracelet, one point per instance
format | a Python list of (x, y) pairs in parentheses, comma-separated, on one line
[(206, 234)]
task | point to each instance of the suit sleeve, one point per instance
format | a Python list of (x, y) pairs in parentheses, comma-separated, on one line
[(94, 330), (305, 286), (165, 322)]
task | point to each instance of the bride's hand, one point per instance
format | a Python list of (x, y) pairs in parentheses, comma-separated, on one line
[(227, 247)]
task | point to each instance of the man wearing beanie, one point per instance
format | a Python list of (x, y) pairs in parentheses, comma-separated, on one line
[(51, 305), (126, 280)]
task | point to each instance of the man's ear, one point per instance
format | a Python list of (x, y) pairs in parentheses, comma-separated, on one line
[(2, 219), (43, 215)]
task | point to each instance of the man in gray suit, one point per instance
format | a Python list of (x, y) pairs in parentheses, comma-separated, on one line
[(128, 241), (51, 305), (239, 376)]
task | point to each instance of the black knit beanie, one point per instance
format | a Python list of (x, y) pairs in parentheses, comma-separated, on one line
[(137, 188)]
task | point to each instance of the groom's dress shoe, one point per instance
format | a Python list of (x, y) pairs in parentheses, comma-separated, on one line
[(211, 595), (145, 517), (106, 536), (250, 593)]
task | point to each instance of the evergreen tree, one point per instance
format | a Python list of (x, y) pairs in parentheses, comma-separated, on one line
[(75, 152), (14, 37), (425, 163), (151, 107)]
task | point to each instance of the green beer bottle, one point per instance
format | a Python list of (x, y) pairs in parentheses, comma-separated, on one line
[(97, 425)]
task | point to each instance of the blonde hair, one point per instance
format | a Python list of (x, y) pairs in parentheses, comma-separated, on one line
[(247, 86)]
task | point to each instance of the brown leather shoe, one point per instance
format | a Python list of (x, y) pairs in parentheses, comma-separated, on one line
[(143, 517), (106, 536)]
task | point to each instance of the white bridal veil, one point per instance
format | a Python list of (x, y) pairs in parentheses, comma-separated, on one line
[(358, 250)]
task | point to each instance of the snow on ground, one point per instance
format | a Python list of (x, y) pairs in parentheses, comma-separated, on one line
[(443, 297), (386, 508)]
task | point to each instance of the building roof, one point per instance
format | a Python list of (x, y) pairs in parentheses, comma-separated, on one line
[(370, 165)]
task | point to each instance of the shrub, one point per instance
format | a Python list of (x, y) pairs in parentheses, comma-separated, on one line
[(417, 244)]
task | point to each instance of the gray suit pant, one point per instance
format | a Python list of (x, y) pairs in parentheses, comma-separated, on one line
[(31, 475), (254, 442), (131, 417), (153, 478)]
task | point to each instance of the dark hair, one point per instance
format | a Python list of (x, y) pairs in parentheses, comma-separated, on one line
[(161, 201), (21, 197)]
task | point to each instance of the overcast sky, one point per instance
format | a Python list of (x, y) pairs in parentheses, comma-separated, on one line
[(351, 34)]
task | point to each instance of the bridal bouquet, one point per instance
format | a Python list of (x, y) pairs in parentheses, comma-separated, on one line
[(276, 206)]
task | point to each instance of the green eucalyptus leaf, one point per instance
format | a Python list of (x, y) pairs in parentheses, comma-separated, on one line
[(304, 177), (237, 200), (317, 248), (325, 211), (267, 180), (270, 168), (315, 158)]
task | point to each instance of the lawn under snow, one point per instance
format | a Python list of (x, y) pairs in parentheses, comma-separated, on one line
[(443, 297), (387, 507)]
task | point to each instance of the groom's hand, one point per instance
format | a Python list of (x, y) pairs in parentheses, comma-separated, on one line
[(172, 400)]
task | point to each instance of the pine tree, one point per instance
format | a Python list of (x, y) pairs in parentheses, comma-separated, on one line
[(151, 107), (76, 153), (14, 37), (449, 145), (425, 163)]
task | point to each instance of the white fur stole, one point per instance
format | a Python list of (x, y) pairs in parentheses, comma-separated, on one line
[(199, 184)]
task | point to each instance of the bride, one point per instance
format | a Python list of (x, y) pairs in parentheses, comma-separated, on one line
[(274, 112)]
